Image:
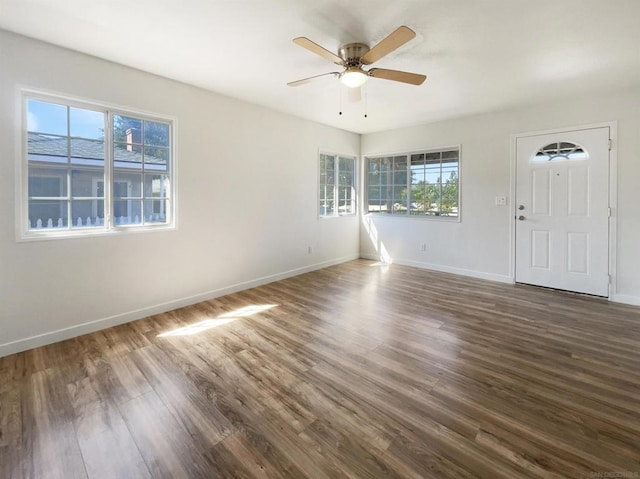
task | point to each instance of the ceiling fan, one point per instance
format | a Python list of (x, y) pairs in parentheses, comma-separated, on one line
[(353, 56)]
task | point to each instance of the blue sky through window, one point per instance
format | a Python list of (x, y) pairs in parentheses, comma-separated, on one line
[(51, 118)]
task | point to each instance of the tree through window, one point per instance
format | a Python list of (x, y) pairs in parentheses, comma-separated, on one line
[(416, 184)]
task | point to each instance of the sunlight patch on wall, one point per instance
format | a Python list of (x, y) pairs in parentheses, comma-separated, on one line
[(372, 233)]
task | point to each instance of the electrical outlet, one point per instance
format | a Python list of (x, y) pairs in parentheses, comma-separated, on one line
[(310, 249), (423, 246), (501, 201)]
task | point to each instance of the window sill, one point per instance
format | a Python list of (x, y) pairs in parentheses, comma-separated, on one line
[(40, 235), (445, 219), (351, 215)]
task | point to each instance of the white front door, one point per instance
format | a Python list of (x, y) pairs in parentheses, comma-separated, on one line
[(562, 210)]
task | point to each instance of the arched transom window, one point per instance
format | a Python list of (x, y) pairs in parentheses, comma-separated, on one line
[(560, 151)]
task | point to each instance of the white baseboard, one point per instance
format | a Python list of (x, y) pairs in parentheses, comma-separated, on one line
[(626, 299), (446, 269), (19, 345)]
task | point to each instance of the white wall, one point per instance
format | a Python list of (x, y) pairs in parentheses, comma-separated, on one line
[(480, 245), (247, 204)]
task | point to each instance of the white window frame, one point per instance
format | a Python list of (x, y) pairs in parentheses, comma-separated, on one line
[(336, 185), (23, 233), (407, 154)]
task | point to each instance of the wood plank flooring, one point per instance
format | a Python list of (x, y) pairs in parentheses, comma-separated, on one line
[(360, 370)]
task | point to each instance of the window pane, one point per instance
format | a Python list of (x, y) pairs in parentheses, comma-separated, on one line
[(348, 208), (47, 182), (86, 123), (374, 201), (87, 213), (433, 173), (374, 191), (156, 158), (326, 184), (346, 178), (418, 176), (330, 172), (329, 192), (127, 185), (374, 178), (326, 208), (374, 166), (345, 203), (127, 130), (87, 152), (127, 212), (87, 183), (400, 169), (346, 167), (450, 198), (45, 117), (450, 155), (155, 211), (344, 193), (449, 171), (127, 155), (47, 214), (385, 167), (47, 148), (417, 159), (156, 185), (156, 134)]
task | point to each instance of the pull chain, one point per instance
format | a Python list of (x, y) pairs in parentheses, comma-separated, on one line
[(366, 101)]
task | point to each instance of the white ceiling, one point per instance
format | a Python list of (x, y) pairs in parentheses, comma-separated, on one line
[(479, 55)]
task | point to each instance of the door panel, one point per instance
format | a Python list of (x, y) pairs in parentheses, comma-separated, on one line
[(578, 194), (541, 192), (540, 249), (578, 253), (562, 183)]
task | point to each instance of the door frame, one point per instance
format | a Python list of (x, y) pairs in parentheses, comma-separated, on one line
[(613, 193)]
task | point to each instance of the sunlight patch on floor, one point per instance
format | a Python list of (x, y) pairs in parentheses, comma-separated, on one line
[(221, 320)]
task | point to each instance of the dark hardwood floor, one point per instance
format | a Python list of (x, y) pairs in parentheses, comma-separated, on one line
[(358, 370)]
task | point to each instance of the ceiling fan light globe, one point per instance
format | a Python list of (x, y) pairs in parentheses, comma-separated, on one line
[(353, 77)]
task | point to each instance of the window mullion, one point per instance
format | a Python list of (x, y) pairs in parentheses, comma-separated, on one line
[(408, 185), (68, 195), (108, 171), (441, 182), (336, 186)]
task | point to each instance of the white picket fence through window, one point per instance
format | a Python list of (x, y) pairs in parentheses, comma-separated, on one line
[(89, 222)]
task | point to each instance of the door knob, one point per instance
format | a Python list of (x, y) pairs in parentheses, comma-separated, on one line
[(521, 218), (521, 207)]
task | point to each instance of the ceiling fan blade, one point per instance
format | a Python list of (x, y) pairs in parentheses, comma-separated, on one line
[(304, 42), (394, 40), (354, 95), (307, 80), (397, 75)]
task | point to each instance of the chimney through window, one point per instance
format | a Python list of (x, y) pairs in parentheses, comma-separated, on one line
[(134, 139)]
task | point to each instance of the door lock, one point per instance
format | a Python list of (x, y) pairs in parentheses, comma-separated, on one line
[(521, 207)]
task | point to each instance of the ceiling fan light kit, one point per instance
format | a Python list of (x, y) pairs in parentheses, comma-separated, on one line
[(353, 77), (353, 56)]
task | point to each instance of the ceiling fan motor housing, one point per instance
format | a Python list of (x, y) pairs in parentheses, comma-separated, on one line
[(351, 53)]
